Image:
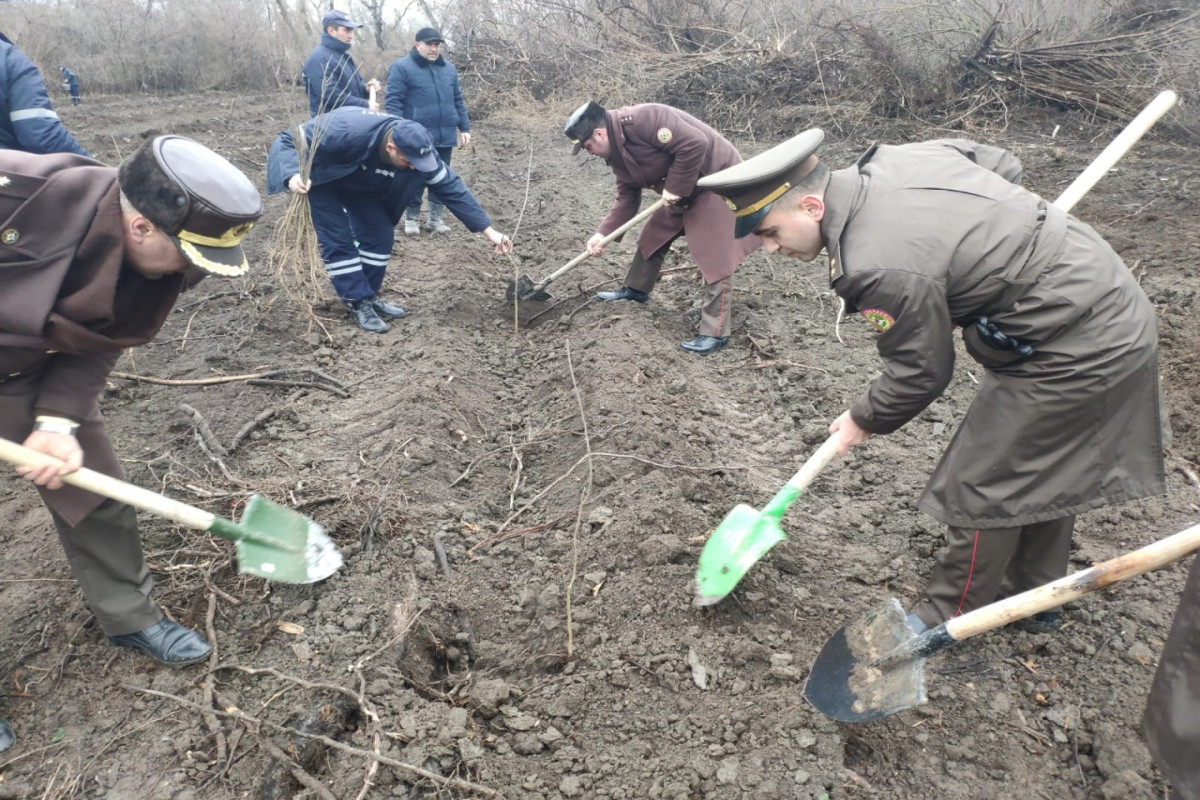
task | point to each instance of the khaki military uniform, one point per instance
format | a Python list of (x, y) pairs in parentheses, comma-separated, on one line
[(658, 147), (923, 240), (67, 310)]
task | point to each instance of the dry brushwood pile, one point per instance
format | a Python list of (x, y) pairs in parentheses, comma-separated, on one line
[(521, 509)]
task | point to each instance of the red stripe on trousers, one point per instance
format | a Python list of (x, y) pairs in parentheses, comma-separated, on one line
[(970, 574)]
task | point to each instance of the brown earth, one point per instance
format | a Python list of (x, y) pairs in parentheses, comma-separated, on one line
[(459, 436)]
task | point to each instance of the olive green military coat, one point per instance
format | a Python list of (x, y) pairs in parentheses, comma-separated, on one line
[(926, 238)]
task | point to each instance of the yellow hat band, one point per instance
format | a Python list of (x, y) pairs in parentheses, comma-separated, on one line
[(762, 203), (208, 265), (230, 238)]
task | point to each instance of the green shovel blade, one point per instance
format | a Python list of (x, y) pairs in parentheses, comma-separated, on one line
[(280, 544), (742, 538)]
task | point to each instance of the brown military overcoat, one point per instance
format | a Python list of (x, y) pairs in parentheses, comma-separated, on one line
[(68, 307), (1172, 719), (656, 147), (926, 238)]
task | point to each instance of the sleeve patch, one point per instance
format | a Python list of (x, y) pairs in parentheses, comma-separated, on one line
[(665, 135), (878, 319)]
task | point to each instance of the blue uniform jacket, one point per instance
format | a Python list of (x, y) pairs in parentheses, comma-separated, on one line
[(428, 92), (27, 120), (331, 78), (347, 138)]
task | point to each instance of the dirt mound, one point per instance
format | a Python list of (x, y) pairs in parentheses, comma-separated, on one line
[(522, 510)]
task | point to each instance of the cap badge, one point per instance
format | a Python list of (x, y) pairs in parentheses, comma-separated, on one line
[(665, 135), (732, 205), (10, 236), (4, 180), (878, 319)]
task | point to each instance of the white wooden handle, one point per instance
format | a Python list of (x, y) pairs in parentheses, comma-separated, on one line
[(816, 462), (1118, 147), (1043, 598), (107, 486), (641, 215)]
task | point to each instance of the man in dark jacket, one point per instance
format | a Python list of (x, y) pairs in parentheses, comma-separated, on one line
[(27, 120), (423, 86), (330, 74), (92, 259), (932, 237), (1172, 720), (367, 167), (657, 147), (71, 84)]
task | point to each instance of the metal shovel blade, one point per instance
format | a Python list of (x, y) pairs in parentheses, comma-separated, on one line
[(280, 544), (742, 538), (848, 684), (524, 289)]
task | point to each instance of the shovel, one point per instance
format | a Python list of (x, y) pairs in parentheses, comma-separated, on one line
[(745, 535), (272, 542), (875, 666), (525, 289)]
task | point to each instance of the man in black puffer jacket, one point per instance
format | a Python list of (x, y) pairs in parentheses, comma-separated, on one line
[(423, 86)]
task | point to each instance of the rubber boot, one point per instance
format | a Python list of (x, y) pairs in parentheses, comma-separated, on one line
[(412, 217), (436, 222)]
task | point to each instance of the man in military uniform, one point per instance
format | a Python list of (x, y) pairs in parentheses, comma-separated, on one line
[(930, 237), (367, 168), (666, 150), (1172, 719), (92, 259)]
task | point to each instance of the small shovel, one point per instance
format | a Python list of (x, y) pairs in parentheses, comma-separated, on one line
[(745, 535), (272, 542), (875, 666), (525, 289)]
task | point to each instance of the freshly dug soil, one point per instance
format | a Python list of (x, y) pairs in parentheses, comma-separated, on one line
[(521, 511)]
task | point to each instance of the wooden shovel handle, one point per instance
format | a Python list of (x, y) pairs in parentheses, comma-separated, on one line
[(1119, 146), (641, 215), (816, 462), (107, 486), (1150, 557)]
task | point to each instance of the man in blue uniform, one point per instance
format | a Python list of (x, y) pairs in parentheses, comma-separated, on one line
[(330, 74), (423, 86), (367, 167), (27, 120), (71, 83)]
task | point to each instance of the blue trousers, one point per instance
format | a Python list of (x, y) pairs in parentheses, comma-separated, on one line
[(341, 218)]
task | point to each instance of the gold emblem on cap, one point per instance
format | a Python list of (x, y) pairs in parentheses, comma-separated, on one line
[(732, 205), (10, 236)]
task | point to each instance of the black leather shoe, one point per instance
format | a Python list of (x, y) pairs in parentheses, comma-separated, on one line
[(705, 344), (386, 309), (7, 737), (364, 314), (168, 643), (624, 293)]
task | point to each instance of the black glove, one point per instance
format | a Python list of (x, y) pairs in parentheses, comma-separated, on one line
[(994, 337)]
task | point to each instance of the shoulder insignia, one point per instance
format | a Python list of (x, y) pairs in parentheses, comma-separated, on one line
[(878, 319), (665, 135)]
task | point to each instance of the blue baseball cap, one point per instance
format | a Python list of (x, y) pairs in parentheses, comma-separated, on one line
[(414, 141), (336, 17)]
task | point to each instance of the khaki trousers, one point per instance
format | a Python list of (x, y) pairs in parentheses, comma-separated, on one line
[(105, 554), (714, 314), (978, 565)]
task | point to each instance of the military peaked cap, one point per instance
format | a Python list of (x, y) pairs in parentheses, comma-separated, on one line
[(586, 119), (749, 188), (196, 197)]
